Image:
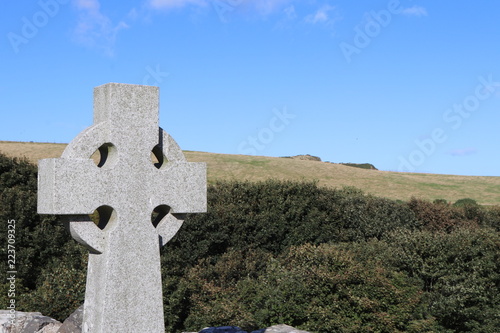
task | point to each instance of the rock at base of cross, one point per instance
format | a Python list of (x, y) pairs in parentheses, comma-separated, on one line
[(35, 322), (27, 322), (73, 324)]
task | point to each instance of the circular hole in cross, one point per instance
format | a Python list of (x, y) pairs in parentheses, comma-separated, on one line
[(158, 159), (105, 156), (158, 214), (102, 216)]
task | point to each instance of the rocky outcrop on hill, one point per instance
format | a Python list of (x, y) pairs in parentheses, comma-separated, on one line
[(306, 157), (367, 166)]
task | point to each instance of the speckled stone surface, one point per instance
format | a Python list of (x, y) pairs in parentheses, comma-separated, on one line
[(27, 322), (123, 292)]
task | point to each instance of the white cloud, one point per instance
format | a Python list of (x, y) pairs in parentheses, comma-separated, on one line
[(133, 14), (266, 7), (169, 4), (262, 7), (324, 15), (290, 12), (414, 11), (88, 4), (94, 29), (463, 152), (289, 18)]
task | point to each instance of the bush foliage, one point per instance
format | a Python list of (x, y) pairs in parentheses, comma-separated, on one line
[(323, 260)]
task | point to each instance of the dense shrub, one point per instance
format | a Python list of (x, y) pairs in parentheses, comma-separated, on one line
[(465, 202), (38, 238), (318, 288), (492, 217), (216, 289), (459, 271), (274, 215), (61, 287), (438, 216), (440, 202), (271, 217)]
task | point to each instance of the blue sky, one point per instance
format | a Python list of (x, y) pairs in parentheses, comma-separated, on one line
[(405, 85)]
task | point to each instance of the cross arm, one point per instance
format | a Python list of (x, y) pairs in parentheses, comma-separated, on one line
[(66, 187), (183, 187)]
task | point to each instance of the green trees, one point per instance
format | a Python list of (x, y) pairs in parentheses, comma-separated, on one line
[(323, 260)]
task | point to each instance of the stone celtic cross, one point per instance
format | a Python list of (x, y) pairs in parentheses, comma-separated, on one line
[(141, 203)]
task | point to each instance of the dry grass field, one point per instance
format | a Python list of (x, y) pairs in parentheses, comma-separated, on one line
[(393, 185)]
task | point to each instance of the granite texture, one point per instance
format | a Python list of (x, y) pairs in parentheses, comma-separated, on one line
[(123, 291)]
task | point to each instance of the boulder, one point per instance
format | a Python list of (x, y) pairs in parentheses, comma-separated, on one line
[(52, 327), (73, 324), (280, 329), (27, 322), (223, 329), (35, 322)]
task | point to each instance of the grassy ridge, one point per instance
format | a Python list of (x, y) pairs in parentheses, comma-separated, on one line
[(393, 185)]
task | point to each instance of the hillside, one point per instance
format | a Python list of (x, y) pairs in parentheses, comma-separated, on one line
[(393, 185)]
